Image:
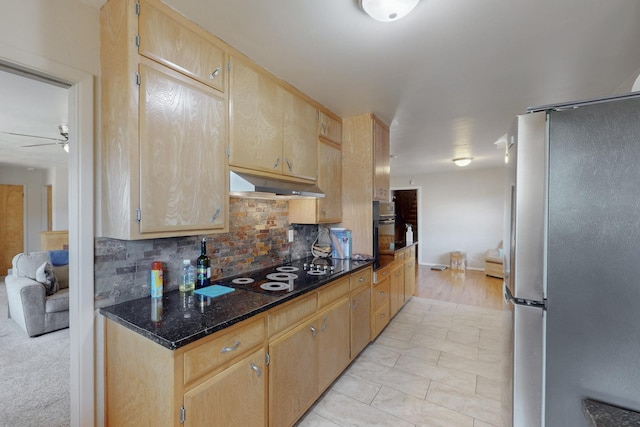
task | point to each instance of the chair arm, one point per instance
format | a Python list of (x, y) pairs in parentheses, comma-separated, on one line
[(26, 299)]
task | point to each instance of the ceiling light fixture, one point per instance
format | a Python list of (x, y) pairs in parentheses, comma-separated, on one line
[(462, 161), (388, 10)]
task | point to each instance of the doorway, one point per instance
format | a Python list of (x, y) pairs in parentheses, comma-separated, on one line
[(11, 224)]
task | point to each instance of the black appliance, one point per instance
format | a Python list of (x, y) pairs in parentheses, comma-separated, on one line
[(384, 231)]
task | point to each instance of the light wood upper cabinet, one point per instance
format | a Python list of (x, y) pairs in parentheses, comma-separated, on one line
[(255, 119), (161, 175), (329, 208), (181, 184), (168, 38), (271, 129), (299, 141), (330, 127), (381, 168)]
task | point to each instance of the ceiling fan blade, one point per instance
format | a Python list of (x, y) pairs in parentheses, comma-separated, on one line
[(34, 136), (40, 145)]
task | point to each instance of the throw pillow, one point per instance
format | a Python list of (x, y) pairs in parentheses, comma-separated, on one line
[(46, 276)]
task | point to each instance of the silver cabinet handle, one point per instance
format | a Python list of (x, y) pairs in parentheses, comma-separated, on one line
[(354, 304), (382, 315), (361, 279), (233, 348), (215, 215), (313, 330), (382, 293), (275, 165), (289, 165), (325, 323), (214, 74), (256, 369)]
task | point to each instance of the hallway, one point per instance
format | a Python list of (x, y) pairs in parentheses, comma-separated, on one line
[(438, 363)]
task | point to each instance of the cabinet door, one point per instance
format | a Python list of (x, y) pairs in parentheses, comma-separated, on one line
[(255, 117), (183, 179), (330, 128), (382, 170), (330, 182), (396, 291), (175, 45), (234, 397), (409, 278), (293, 370), (299, 140), (333, 345), (360, 305)]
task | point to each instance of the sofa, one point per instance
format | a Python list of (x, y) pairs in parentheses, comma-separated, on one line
[(493, 260), (38, 291)]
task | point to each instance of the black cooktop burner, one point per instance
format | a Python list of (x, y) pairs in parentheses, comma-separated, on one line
[(286, 278)]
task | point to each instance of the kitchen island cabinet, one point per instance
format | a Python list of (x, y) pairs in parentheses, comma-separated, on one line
[(161, 176)]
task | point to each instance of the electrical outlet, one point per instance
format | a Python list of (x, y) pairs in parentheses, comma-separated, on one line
[(290, 235)]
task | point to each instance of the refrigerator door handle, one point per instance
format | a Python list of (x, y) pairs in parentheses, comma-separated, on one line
[(509, 298)]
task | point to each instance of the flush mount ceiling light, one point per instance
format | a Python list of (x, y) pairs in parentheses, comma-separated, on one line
[(388, 10), (462, 161)]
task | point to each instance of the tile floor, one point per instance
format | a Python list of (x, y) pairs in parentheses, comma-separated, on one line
[(436, 364)]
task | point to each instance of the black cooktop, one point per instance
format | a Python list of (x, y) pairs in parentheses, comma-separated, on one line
[(285, 278)]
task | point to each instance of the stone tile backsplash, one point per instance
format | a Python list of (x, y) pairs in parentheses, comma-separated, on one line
[(257, 238)]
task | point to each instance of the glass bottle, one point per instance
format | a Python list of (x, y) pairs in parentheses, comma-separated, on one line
[(203, 270)]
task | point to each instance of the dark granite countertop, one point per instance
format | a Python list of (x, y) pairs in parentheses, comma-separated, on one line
[(181, 319), (603, 415)]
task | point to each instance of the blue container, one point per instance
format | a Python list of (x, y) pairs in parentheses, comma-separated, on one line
[(340, 243)]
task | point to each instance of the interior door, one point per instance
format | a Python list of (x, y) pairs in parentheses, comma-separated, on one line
[(11, 224)]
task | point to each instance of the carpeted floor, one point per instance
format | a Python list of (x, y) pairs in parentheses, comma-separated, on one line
[(34, 374)]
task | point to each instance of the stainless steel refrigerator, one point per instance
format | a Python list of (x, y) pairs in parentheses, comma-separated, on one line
[(572, 260)]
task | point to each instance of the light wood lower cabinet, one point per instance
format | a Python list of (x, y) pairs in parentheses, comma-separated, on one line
[(234, 397), (396, 289), (380, 304), (228, 378), (409, 275), (305, 361)]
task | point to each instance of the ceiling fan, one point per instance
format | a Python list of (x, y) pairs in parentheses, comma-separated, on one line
[(64, 141)]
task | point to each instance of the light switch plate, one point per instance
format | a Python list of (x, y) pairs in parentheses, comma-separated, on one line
[(290, 235)]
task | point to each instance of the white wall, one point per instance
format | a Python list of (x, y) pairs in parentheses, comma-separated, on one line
[(58, 178), (32, 182), (458, 211)]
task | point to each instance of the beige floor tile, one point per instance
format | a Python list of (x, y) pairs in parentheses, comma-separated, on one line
[(489, 387), (418, 411), (314, 420), (405, 348), (455, 378), (463, 350), (461, 337), (356, 388), (397, 332), (346, 411), (478, 423), (414, 317), (381, 355), (395, 378), (477, 367), (471, 404)]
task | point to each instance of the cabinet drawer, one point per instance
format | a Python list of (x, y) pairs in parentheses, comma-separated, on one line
[(382, 273), (380, 319), (332, 292), (360, 279), (172, 43), (288, 316), (224, 348), (380, 294)]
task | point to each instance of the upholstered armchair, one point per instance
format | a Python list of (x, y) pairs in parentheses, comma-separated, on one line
[(38, 291)]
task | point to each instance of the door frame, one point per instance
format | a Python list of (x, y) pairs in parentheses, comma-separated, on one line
[(419, 197), (81, 225)]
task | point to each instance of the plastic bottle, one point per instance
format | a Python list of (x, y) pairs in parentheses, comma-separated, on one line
[(203, 270), (188, 282), (156, 279)]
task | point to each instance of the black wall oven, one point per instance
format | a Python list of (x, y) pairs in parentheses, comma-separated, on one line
[(384, 229)]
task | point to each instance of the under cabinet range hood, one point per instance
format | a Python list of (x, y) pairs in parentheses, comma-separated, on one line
[(246, 185)]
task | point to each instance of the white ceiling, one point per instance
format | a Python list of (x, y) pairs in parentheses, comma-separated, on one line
[(31, 107), (449, 78)]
